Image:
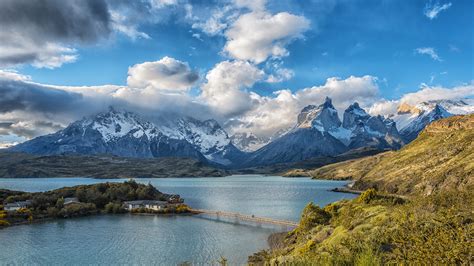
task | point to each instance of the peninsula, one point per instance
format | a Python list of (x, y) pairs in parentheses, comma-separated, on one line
[(130, 196)]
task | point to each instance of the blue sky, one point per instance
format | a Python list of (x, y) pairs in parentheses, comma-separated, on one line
[(346, 38), (250, 64)]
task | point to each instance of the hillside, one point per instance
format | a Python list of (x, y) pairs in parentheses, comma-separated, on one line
[(379, 230), (17, 165), (442, 157), (432, 224)]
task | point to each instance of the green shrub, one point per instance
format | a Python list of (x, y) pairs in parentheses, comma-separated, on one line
[(112, 207), (367, 196), (312, 216)]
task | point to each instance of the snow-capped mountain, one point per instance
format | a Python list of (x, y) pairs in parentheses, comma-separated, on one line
[(456, 107), (320, 132), (208, 137), (412, 119), (125, 134)]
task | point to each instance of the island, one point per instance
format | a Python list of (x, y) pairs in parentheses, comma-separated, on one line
[(17, 207)]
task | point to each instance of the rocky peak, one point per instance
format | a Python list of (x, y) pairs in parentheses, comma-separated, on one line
[(405, 108), (354, 115), (323, 117), (306, 116)]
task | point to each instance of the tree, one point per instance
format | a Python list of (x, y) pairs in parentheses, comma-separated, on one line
[(60, 203)]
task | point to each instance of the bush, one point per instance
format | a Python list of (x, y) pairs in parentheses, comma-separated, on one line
[(112, 207), (60, 203), (77, 209), (367, 196), (312, 216), (182, 208), (52, 211), (4, 223)]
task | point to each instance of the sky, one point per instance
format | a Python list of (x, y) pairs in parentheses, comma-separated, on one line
[(250, 64)]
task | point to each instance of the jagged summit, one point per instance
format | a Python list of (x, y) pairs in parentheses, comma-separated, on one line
[(354, 115), (320, 132), (323, 116)]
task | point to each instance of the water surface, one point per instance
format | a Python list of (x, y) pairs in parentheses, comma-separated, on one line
[(130, 239)]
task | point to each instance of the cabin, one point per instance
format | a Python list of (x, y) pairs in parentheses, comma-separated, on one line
[(147, 204), (68, 201), (15, 206)]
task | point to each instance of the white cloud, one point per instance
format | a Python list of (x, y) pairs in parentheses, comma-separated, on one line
[(427, 93), (428, 51), (212, 22), (281, 74), (424, 94), (121, 24), (167, 74), (384, 107), (223, 91), (431, 11), (257, 36)]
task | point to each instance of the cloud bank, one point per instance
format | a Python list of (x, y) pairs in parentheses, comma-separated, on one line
[(29, 109), (41, 32)]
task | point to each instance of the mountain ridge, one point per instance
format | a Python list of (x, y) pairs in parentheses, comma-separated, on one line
[(440, 158)]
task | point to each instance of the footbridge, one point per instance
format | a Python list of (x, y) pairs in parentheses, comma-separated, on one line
[(245, 217)]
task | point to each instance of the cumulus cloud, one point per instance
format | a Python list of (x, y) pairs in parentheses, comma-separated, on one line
[(431, 10), (427, 93), (214, 23), (224, 89), (40, 32), (216, 20), (256, 36), (167, 74), (384, 107), (428, 51), (424, 94)]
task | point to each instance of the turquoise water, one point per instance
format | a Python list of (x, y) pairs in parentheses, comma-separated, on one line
[(130, 239)]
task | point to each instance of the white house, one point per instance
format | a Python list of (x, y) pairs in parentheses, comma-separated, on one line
[(147, 204), (15, 206)]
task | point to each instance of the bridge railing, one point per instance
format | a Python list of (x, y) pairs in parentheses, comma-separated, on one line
[(246, 217)]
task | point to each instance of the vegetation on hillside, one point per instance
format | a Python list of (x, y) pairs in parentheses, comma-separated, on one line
[(13, 165), (417, 209), (375, 230), (93, 199), (442, 157)]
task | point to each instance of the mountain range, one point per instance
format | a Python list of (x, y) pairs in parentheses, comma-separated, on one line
[(318, 132)]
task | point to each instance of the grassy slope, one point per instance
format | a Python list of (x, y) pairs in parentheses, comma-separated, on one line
[(433, 229), (441, 157), (24, 165)]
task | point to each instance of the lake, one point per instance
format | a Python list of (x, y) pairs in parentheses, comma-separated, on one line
[(131, 239)]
